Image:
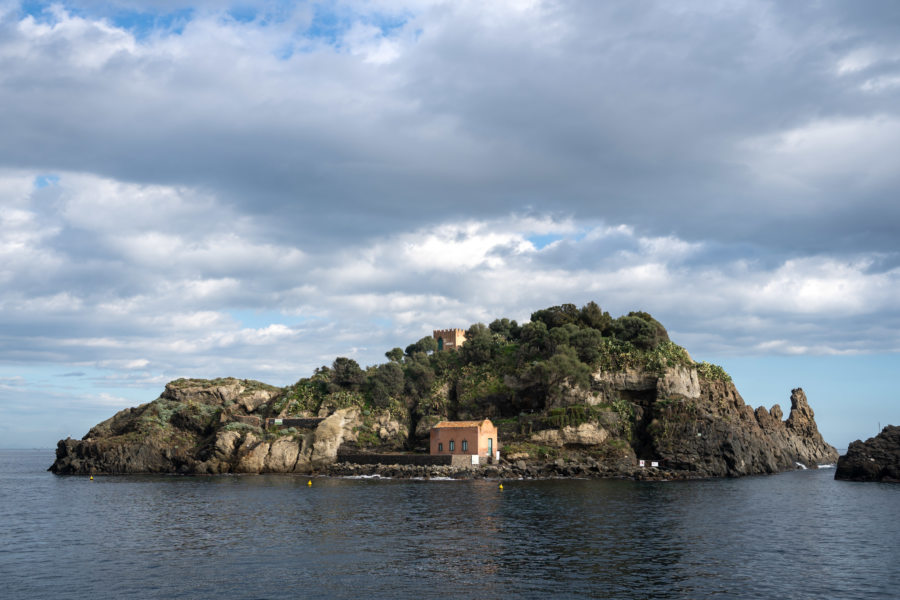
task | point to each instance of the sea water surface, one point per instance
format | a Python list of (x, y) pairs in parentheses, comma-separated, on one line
[(794, 535)]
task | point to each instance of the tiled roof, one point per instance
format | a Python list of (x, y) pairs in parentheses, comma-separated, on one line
[(460, 423)]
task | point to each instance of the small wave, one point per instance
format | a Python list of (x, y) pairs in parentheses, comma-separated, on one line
[(828, 466), (800, 465), (375, 476)]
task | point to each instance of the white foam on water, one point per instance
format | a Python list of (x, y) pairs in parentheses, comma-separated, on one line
[(801, 465), (828, 466), (376, 476)]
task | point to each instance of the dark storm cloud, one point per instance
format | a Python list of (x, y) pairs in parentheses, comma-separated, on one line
[(660, 115)]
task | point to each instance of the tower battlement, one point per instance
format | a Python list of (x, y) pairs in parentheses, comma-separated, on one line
[(449, 339)]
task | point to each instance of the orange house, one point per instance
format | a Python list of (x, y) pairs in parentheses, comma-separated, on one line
[(465, 437)]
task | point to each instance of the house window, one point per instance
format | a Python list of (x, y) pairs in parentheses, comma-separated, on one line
[(440, 446), (452, 446), (465, 445)]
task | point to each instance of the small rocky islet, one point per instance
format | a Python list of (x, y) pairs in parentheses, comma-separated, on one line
[(573, 393), (876, 459)]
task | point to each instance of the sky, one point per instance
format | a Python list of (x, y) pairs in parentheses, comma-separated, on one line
[(207, 189)]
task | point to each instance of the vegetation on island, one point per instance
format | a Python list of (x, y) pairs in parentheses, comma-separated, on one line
[(504, 370)]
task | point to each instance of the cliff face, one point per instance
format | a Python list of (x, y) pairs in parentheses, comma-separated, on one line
[(707, 428), (876, 459), (690, 424)]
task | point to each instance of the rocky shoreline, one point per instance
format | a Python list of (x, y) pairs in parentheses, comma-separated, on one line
[(508, 472)]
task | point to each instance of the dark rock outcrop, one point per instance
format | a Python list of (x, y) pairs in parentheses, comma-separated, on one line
[(876, 459), (717, 434)]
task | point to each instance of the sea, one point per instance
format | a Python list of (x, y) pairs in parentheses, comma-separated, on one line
[(799, 534)]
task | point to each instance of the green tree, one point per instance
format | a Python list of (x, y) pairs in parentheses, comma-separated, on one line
[(592, 316), (395, 354), (480, 345), (641, 333), (426, 344), (556, 316), (386, 382), (551, 375), (508, 330), (346, 373), (419, 376), (587, 343), (535, 341)]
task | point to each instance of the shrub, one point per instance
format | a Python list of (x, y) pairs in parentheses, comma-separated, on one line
[(712, 372)]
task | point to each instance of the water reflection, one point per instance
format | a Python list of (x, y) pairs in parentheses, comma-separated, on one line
[(798, 535)]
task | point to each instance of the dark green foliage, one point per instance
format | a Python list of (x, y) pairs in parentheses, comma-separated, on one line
[(592, 316), (502, 370), (506, 329), (426, 344), (386, 382), (480, 345), (535, 342), (346, 373), (445, 363), (635, 330), (419, 377), (639, 328), (556, 316), (548, 377), (587, 343), (560, 336)]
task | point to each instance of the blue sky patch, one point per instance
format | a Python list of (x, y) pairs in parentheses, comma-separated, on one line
[(142, 24), (42, 181), (542, 241)]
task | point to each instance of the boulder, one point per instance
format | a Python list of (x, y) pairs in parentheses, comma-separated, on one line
[(876, 459)]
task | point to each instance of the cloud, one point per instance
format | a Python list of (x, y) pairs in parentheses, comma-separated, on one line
[(357, 173), (417, 112), (162, 301)]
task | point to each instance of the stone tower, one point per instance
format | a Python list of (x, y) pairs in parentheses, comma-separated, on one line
[(449, 339)]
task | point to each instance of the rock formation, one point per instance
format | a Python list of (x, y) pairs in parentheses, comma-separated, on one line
[(571, 392), (711, 431), (194, 427), (876, 459), (693, 426)]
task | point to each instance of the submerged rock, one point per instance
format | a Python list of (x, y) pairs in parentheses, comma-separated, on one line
[(876, 459)]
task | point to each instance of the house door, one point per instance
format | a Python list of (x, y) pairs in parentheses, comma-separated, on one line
[(491, 447), (440, 343)]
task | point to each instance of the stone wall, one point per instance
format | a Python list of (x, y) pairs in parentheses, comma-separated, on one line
[(405, 459)]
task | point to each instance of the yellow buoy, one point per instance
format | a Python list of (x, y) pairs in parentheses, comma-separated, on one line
[(92, 477), (309, 482), (501, 486)]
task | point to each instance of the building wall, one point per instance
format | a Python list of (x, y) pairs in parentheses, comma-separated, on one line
[(445, 435), (453, 338), (475, 436), (488, 430)]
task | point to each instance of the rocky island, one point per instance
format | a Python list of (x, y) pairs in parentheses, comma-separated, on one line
[(573, 392), (876, 459)]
